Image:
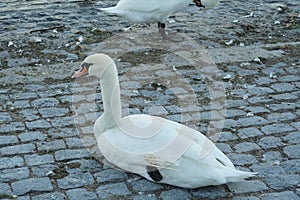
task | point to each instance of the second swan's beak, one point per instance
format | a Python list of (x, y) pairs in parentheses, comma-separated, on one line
[(83, 71)]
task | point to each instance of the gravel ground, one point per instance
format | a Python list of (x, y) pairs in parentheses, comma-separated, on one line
[(247, 87)]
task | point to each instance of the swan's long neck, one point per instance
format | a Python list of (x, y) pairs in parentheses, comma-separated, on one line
[(111, 98)]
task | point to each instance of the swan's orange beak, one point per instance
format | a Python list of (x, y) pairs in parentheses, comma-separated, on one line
[(83, 71)]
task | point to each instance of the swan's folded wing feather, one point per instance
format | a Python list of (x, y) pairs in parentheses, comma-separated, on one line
[(126, 146), (142, 6)]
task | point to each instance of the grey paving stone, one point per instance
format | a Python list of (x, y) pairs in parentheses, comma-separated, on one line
[(110, 175), (267, 169), (249, 132), (12, 127), (8, 175), (279, 117), (230, 124), (224, 147), (45, 102), (52, 93), (89, 141), (10, 139), (174, 117), (284, 97), (235, 113), (62, 121), (257, 109), (276, 128), (75, 181), (5, 189), (145, 197), (292, 138), (227, 136), (298, 192), (283, 87), (238, 92), (113, 190), (283, 181), (287, 195), (36, 159), (74, 142), (252, 121), (32, 185), (283, 106), (32, 136), (30, 114), (53, 112), (145, 186), (272, 157), (175, 194), (34, 87), (210, 192), (296, 125), (85, 166), (21, 104), (26, 95), (50, 196), (5, 117), (245, 198), (38, 124), (269, 142), (51, 145), (66, 99), (292, 151), (63, 132), (242, 159), (246, 146), (17, 149), (71, 154), (264, 81), (43, 170), (289, 78), (259, 100), (23, 197), (291, 166), (247, 186), (81, 193), (258, 91), (235, 103), (11, 162)]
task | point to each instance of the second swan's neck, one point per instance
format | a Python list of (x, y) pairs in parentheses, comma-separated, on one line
[(111, 98)]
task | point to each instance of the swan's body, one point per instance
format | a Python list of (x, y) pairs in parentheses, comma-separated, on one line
[(158, 149), (153, 11), (150, 11)]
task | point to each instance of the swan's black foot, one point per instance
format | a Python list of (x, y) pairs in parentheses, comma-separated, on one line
[(198, 3), (154, 173), (168, 36)]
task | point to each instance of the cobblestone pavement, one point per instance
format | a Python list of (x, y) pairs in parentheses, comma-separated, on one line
[(43, 154)]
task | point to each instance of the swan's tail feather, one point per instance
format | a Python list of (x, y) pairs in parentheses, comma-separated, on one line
[(237, 176), (110, 10)]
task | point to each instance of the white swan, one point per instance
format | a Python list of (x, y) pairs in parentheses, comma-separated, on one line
[(160, 150), (153, 11)]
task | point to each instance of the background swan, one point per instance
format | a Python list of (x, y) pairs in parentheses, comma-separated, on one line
[(158, 149), (154, 11)]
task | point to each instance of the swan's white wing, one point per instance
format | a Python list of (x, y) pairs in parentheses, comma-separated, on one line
[(144, 140), (141, 6)]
